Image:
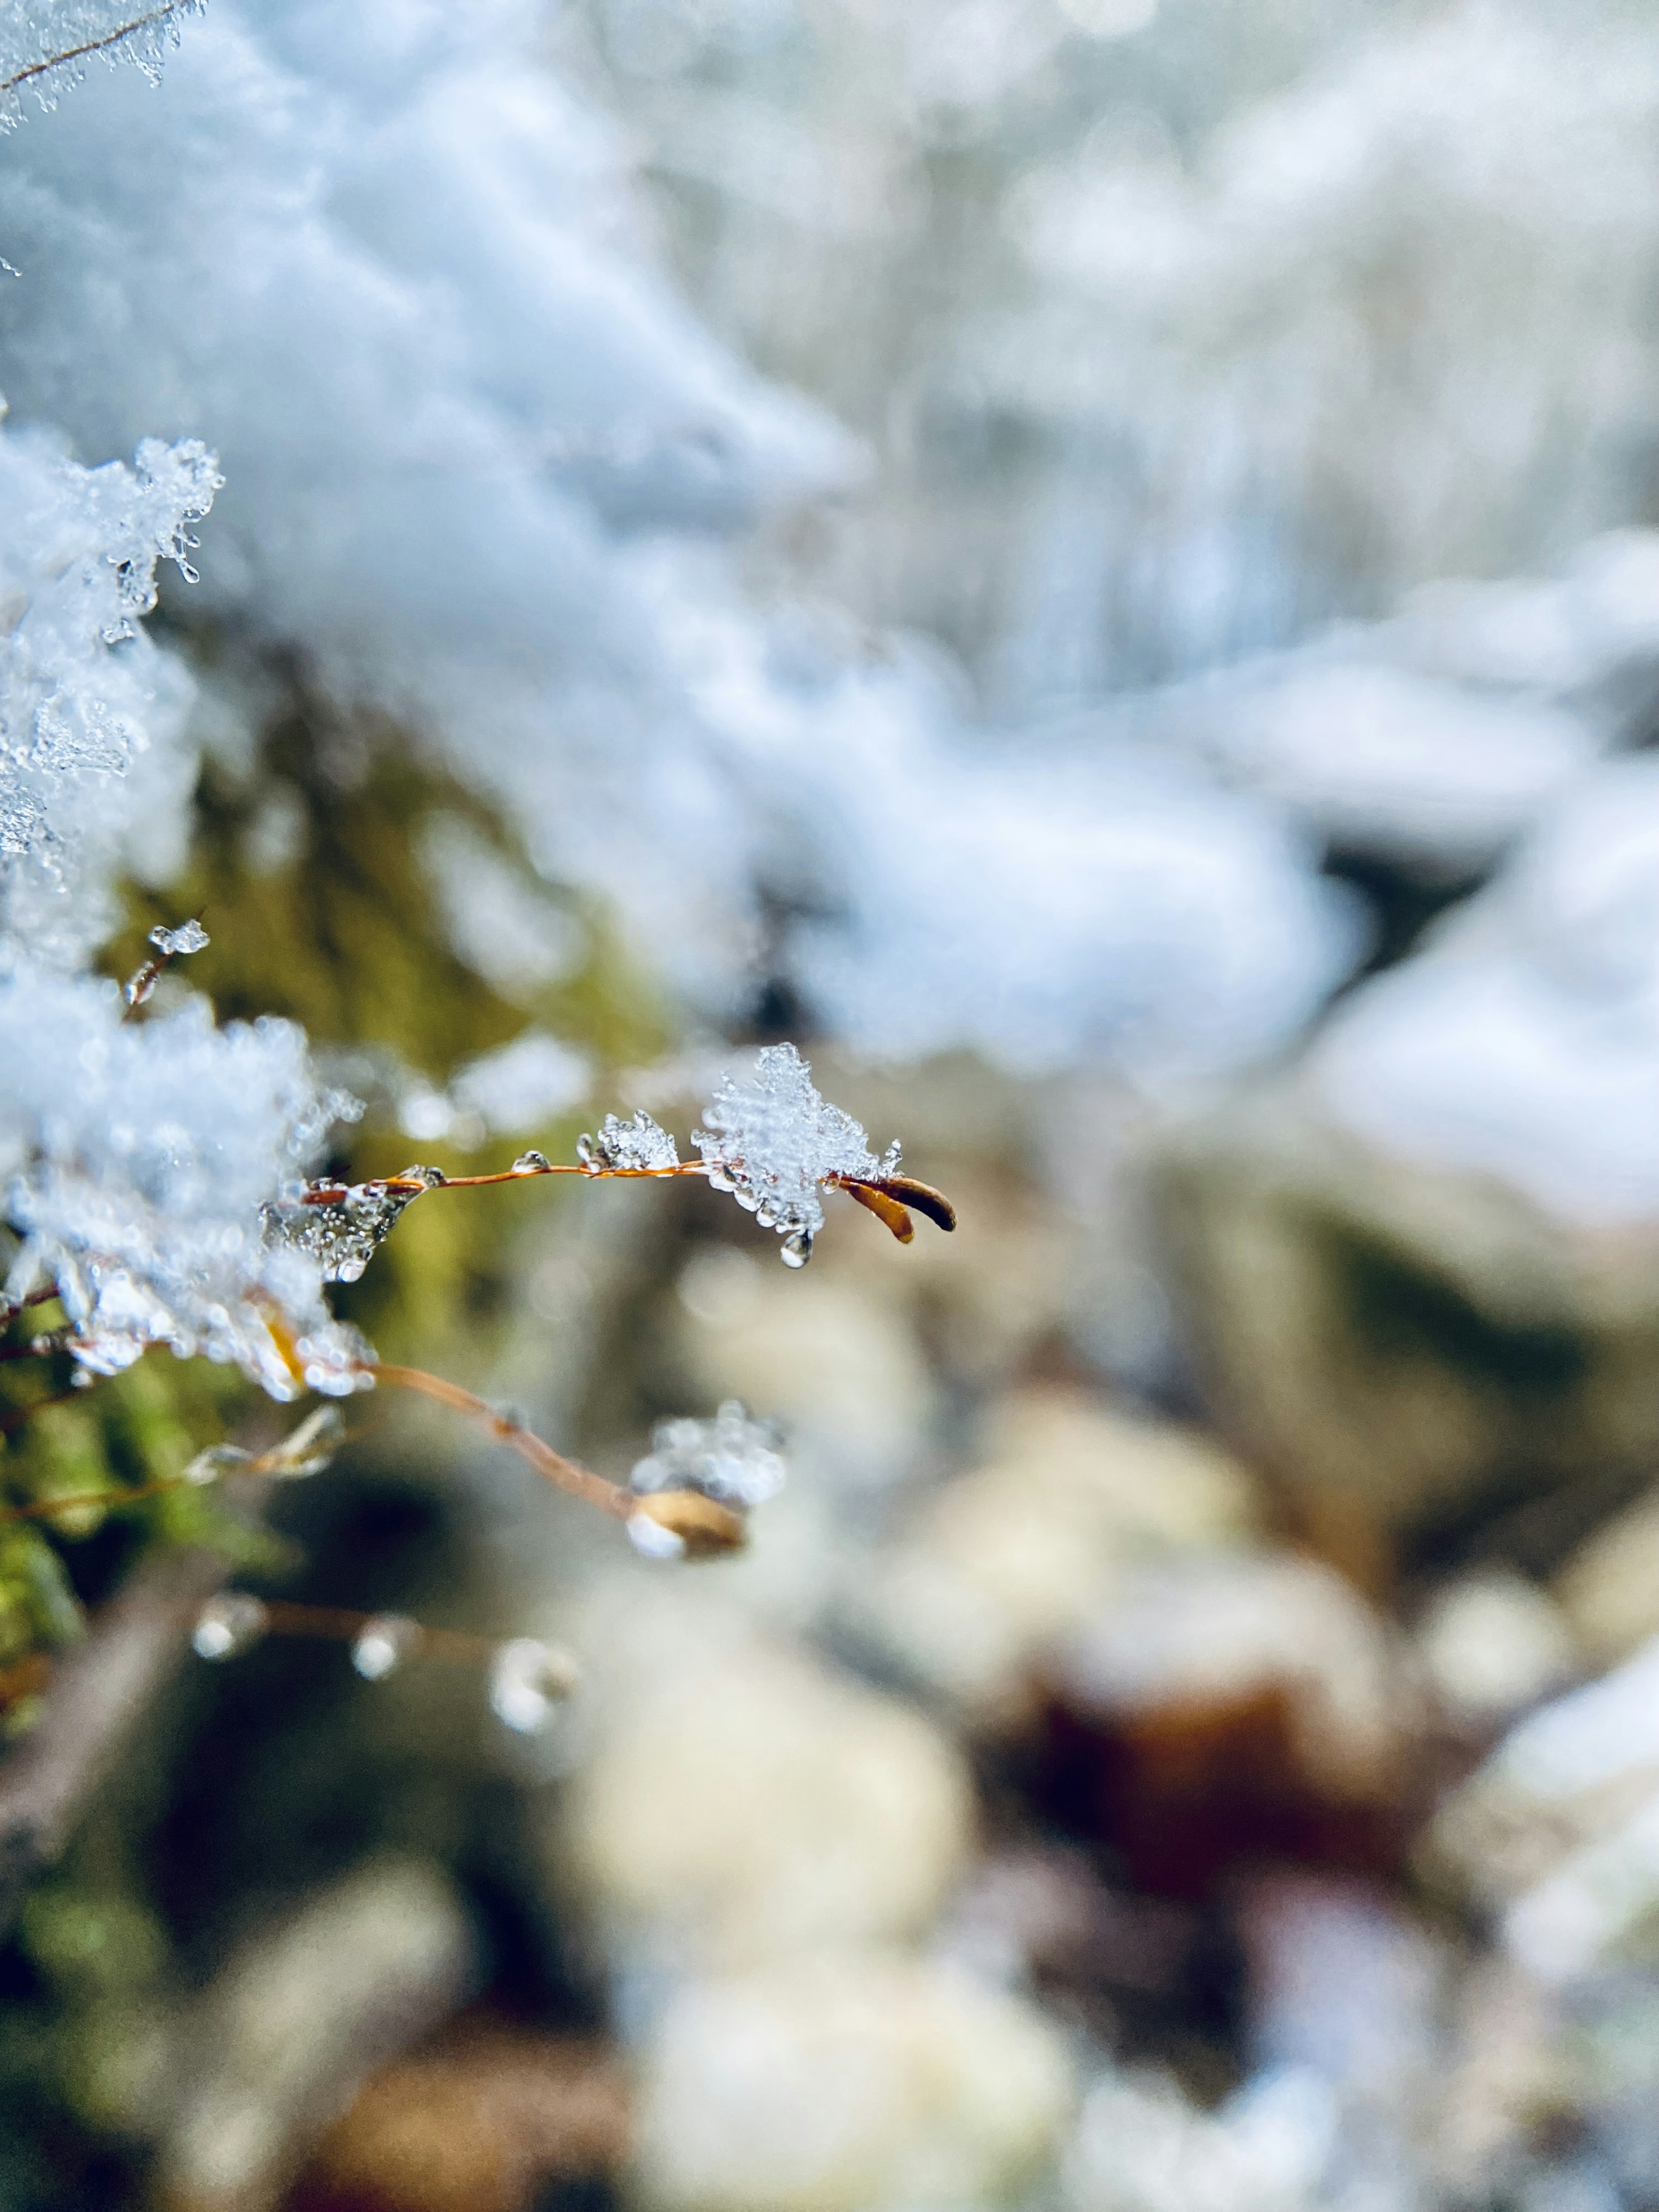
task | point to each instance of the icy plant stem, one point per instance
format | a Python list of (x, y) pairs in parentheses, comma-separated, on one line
[(609, 1497), (145, 23)]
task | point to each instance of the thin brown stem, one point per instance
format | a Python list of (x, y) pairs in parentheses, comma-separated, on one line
[(17, 1416), (609, 1497), (43, 1508), (73, 54), (338, 1624), (337, 1194)]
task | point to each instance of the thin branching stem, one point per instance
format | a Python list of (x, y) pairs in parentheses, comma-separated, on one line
[(73, 54), (609, 1497)]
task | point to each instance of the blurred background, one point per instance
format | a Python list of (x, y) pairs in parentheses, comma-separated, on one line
[(1092, 563)]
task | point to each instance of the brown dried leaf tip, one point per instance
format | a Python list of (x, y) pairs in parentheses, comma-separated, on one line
[(888, 1197), (684, 1524)]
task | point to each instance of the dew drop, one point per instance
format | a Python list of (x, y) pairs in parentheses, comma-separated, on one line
[(795, 1251), (217, 1460), (383, 1644), (228, 1625), (585, 1152), (527, 1679), (649, 1536), (531, 1163)]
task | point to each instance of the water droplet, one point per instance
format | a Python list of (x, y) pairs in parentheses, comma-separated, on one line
[(218, 1459), (795, 1251), (767, 1214), (347, 1270), (585, 1152), (649, 1536), (383, 1644), (228, 1625), (527, 1679), (138, 986), (531, 1163)]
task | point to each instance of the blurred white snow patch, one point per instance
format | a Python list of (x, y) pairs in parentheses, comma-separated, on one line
[(1130, 911), (499, 922), (1524, 1041), (393, 264), (1388, 759), (523, 1085)]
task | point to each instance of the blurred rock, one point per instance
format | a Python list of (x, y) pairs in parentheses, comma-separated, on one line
[(1000, 1563), (860, 2083), (297, 2017), (1511, 2084), (1141, 2145), (1229, 1708), (1492, 1643), (1412, 1351), (751, 1802), (1609, 1588), (1343, 1983), (479, 2121), (842, 1368), (1040, 1917), (1560, 1829)]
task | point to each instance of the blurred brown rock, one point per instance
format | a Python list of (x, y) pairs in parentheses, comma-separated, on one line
[(1609, 1588), (478, 2121), (1227, 1710), (999, 1564), (1410, 1351)]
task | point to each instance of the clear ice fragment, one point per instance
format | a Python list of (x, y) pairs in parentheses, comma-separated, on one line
[(216, 1461), (307, 1450), (189, 937), (639, 1145)]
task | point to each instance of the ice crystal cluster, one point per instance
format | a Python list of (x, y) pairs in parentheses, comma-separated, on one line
[(732, 1458), (636, 1147), (45, 46), (773, 1143), (340, 1226), (133, 1157), (133, 1162), (92, 775)]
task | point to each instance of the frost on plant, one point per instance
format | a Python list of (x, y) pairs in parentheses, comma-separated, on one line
[(774, 1144), (90, 710), (135, 1158), (340, 1226), (732, 1458), (46, 45), (636, 1147)]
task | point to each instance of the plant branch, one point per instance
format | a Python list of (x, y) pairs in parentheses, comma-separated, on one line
[(110, 39), (593, 1489)]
